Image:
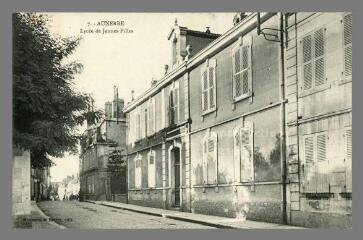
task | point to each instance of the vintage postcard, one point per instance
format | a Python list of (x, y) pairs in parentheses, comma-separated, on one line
[(182, 120)]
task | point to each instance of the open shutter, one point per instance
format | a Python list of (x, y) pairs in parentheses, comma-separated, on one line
[(246, 155), (322, 164), (151, 169), (171, 107), (204, 79), (212, 159), (307, 62), (309, 169), (236, 58), (347, 39), (205, 159), (319, 52), (348, 160), (211, 80), (248, 42), (237, 154)]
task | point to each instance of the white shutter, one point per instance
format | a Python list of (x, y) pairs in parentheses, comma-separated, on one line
[(237, 154), (307, 62), (347, 40), (309, 168), (319, 61), (151, 169), (205, 159), (246, 155), (348, 160), (212, 148), (204, 81), (322, 164), (236, 65), (248, 42)]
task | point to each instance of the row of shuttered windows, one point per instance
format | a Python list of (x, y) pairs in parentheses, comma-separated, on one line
[(242, 154), (143, 120), (313, 65), (313, 55), (318, 176)]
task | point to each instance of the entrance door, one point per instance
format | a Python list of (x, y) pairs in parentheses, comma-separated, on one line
[(177, 176)]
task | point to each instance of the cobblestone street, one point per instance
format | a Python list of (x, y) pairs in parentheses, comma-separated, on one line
[(83, 215)]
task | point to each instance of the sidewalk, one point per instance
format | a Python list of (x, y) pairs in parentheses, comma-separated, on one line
[(214, 221), (41, 221)]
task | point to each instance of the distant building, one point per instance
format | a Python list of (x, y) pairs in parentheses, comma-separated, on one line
[(101, 142), (39, 183)]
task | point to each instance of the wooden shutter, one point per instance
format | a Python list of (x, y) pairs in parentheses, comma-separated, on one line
[(176, 105), (348, 160), (205, 159), (322, 164), (307, 62), (171, 107), (204, 79), (309, 168), (237, 154), (237, 85), (319, 52), (347, 39), (246, 155), (212, 159), (211, 81), (151, 169)]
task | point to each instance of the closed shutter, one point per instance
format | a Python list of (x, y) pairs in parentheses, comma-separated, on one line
[(212, 159), (309, 169), (307, 62), (151, 169), (348, 160), (204, 78), (171, 108), (237, 154), (319, 51), (246, 155), (347, 38), (322, 164)]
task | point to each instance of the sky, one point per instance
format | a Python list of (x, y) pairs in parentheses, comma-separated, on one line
[(128, 60)]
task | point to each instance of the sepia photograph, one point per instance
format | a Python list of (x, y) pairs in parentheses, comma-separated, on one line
[(182, 120)]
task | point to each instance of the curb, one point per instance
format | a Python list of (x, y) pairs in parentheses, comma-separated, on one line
[(48, 218), (210, 224)]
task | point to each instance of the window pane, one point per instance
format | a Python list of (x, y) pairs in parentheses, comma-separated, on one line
[(237, 62)]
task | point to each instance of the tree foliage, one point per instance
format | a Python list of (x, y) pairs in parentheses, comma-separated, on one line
[(46, 107)]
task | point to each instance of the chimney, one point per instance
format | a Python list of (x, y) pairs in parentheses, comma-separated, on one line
[(118, 106), (166, 68), (208, 30), (153, 82), (108, 110)]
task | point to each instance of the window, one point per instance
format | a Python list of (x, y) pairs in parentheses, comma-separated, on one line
[(347, 41), (151, 168), (151, 117), (174, 104), (313, 61), (208, 77), (138, 175), (243, 153), (348, 159), (138, 125), (210, 156), (242, 69), (315, 163)]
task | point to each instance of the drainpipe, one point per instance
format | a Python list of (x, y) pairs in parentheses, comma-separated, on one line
[(283, 123)]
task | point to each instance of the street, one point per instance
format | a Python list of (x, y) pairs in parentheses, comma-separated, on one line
[(83, 215)]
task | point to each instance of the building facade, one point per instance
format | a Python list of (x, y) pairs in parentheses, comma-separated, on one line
[(39, 183), (254, 125), (100, 143), (318, 83)]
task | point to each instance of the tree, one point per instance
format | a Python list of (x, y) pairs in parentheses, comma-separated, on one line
[(46, 108)]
